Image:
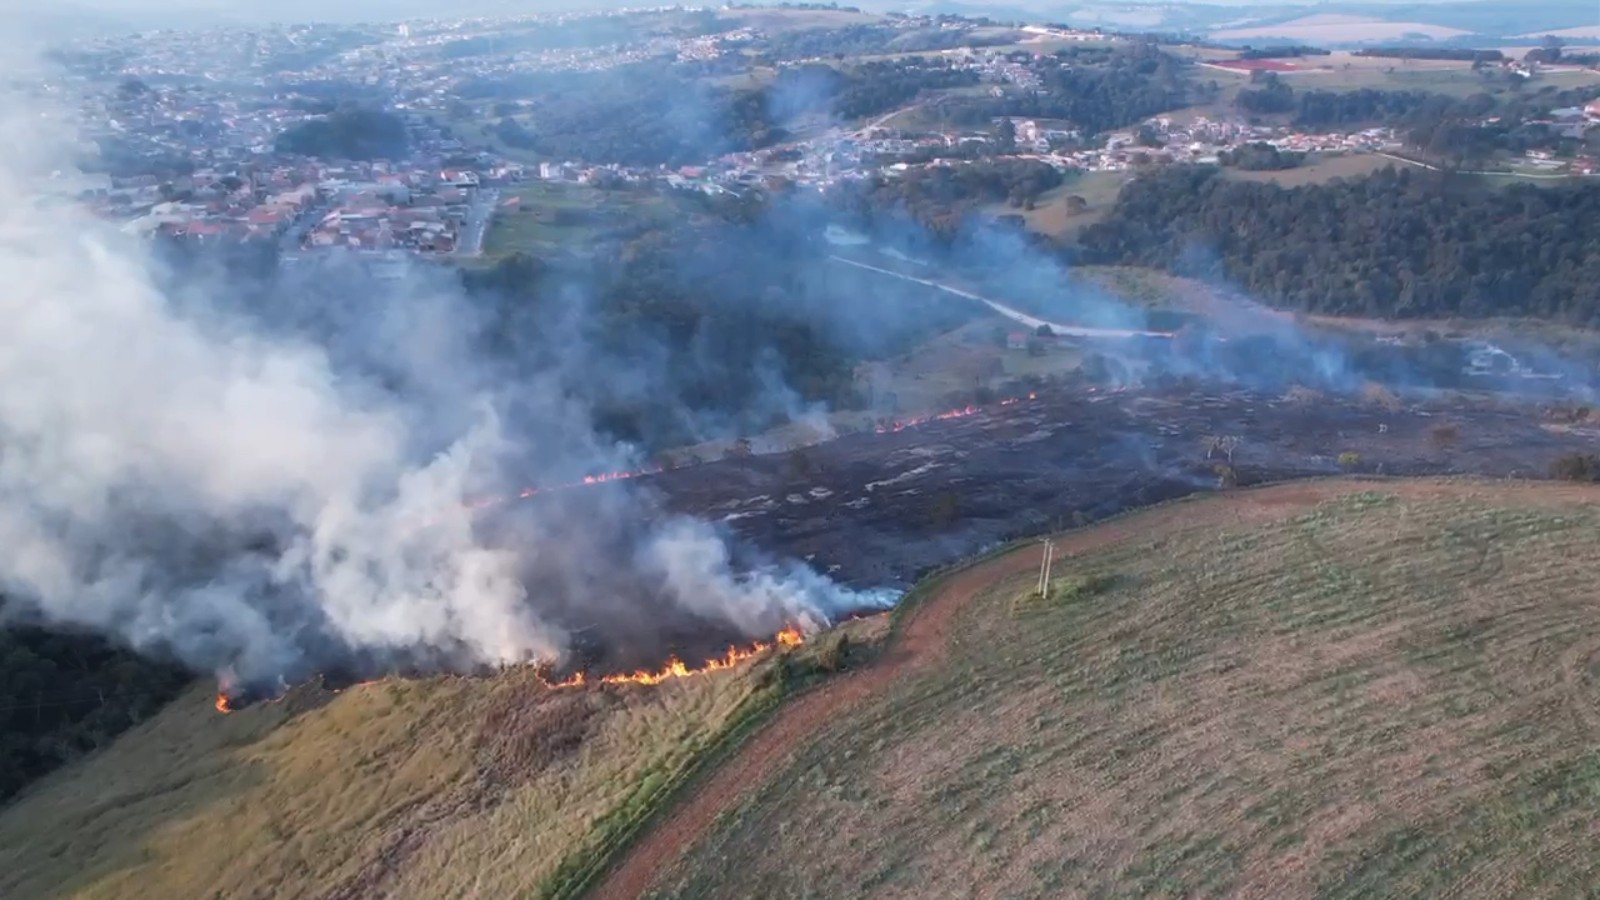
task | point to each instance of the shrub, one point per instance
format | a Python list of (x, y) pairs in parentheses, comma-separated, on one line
[(1576, 467), (1349, 459)]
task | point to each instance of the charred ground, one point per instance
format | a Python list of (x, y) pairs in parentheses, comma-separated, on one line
[(877, 509)]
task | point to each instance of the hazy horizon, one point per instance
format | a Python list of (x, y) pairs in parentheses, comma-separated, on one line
[(204, 12)]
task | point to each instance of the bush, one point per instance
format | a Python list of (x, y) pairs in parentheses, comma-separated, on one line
[(1349, 459), (1576, 467)]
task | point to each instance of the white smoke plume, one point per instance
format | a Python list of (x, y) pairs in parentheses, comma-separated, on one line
[(177, 476)]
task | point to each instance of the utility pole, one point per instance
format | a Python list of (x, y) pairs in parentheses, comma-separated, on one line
[(1045, 563)]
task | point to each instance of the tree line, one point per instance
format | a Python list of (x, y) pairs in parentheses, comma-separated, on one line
[(941, 199), (1400, 244), (65, 694), (350, 133), (1461, 131), (1096, 89)]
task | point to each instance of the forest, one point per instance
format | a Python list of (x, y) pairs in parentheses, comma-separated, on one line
[(63, 695), (355, 133), (1403, 244), (1458, 131), (1097, 90), (941, 200)]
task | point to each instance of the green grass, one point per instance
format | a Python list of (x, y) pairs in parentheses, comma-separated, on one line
[(1050, 215), (1320, 168), (1386, 694), (445, 787), (560, 214)]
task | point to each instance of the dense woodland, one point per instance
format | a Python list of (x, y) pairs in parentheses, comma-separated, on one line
[(1454, 130), (64, 695), (1399, 243), (1096, 89), (358, 134), (942, 199)]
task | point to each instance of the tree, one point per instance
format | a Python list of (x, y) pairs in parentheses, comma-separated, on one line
[(1576, 467), (1005, 140), (1076, 205), (357, 134)]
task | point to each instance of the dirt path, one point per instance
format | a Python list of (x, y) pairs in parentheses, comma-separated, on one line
[(927, 631)]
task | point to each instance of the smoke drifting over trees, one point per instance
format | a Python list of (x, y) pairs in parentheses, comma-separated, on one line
[(275, 501)]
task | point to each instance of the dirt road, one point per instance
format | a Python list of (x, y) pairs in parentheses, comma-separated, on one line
[(927, 631), (1015, 315)]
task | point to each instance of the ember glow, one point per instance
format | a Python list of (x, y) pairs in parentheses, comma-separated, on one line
[(963, 412), (607, 477), (676, 668)]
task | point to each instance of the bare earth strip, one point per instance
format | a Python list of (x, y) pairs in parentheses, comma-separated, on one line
[(928, 628)]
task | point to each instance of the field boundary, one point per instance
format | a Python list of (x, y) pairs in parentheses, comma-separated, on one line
[(886, 660), (577, 874)]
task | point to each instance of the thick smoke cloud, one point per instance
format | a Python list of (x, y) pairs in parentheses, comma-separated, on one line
[(275, 501)]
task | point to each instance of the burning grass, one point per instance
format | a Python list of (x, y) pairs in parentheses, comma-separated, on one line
[(440, 787), (1391, 693)]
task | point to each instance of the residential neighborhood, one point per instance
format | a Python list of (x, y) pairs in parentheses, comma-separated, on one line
[(190, 146)]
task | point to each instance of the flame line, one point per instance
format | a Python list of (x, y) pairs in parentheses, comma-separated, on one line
[(674, 668)]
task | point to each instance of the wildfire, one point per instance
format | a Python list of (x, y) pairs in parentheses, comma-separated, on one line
[(674, 668), (226, 686), (677, 668), (606, 477), (963, 412)]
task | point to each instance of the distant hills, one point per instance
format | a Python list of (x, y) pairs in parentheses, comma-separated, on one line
[(1324, 23)]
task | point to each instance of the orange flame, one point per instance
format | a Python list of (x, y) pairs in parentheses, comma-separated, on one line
[(225, 686), (677, 668), (963, 412)]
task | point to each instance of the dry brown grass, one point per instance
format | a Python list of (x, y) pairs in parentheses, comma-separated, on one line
[(1390, 693), (439, 788)]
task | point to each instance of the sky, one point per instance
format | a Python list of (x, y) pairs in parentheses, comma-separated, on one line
[(166, 13)]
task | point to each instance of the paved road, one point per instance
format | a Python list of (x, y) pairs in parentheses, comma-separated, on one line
[(295, 236), (1031, 322), (479, 215)]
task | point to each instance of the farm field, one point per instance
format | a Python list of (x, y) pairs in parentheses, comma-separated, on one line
[(1344, 71), (549, 215), (1330, 688)]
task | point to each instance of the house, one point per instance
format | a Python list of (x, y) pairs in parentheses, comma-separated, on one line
[(1017, 340)]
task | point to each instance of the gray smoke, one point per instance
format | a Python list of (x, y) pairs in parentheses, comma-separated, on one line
[(176, 475)]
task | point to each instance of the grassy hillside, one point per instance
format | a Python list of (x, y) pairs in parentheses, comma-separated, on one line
[(440, 788), (1389, 693)]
